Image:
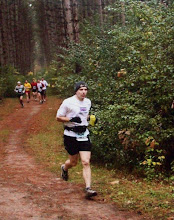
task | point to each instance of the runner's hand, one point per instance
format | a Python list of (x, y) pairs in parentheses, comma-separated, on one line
[(76, 119)]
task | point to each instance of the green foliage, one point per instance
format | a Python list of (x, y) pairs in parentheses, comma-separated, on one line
[(153, 162), (129, 70), (8, 79)]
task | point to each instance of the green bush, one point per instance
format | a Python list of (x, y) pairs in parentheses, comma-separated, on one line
[(129, 70), (8, 79)]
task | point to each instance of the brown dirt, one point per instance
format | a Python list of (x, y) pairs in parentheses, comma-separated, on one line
[(28, 191)]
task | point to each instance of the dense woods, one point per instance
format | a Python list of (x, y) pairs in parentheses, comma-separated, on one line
[(16, 35), (129, 68), (123, 49), (50, 24), (58, 22)]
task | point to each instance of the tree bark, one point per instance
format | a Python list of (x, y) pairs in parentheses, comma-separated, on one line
[(100, 11), (75, 21), (68, 19), (123, 19)]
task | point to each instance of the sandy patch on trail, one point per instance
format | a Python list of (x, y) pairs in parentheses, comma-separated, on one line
[(27, 191)]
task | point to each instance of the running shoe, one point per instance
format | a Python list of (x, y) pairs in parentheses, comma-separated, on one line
[(22, 105), (64, 174), (90, 193)]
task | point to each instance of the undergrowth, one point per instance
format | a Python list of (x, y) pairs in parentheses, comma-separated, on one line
[(128, 192), (7, 106)]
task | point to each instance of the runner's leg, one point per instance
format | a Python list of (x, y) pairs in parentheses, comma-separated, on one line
[(35, 95), (21, 100), (40, 97), (71, 162), (85, 159), (44, 95), (27, 97)]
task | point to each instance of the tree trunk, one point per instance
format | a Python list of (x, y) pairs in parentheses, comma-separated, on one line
[(68, 18), (100, 11), (4, 33), (123, 19), (75, 21), (1, 34)]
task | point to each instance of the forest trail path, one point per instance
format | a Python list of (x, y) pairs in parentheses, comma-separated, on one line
[(28, 191)]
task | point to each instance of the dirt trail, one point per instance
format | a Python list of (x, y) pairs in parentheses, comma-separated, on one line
[(27, 191)]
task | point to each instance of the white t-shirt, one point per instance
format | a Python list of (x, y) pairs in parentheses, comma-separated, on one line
[(20, 89), (39, 87), (73, 107), (45, 84)]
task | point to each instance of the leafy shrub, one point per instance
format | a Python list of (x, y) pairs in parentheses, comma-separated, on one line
[(130, 75), (8, 79)]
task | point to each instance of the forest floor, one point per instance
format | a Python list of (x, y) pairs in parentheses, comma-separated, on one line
[(28, 190)]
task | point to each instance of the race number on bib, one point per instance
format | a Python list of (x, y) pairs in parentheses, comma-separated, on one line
[(81, 137)]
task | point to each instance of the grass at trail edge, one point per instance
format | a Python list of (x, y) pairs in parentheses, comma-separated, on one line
[(7, 106), (148, 198)]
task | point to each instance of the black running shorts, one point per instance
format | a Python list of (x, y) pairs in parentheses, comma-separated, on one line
[(44, 92), (41, 92), (73, 146), (20, 94)]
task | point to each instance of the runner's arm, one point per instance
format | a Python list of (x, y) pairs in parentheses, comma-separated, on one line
[(61, 113), (62, 119)]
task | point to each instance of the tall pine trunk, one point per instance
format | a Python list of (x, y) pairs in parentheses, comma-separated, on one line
[(68, 19), (100, 11)]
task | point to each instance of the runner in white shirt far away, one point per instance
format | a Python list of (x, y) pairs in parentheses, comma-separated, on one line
[(44, 88), (40, 91), (20, 90)]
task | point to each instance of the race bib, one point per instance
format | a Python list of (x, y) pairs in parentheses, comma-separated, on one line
[(81, 137)]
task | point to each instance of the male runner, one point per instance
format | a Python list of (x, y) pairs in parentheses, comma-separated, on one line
[(74, 112), (45, 84), (40, 91), (20, 90), (34, 89)]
